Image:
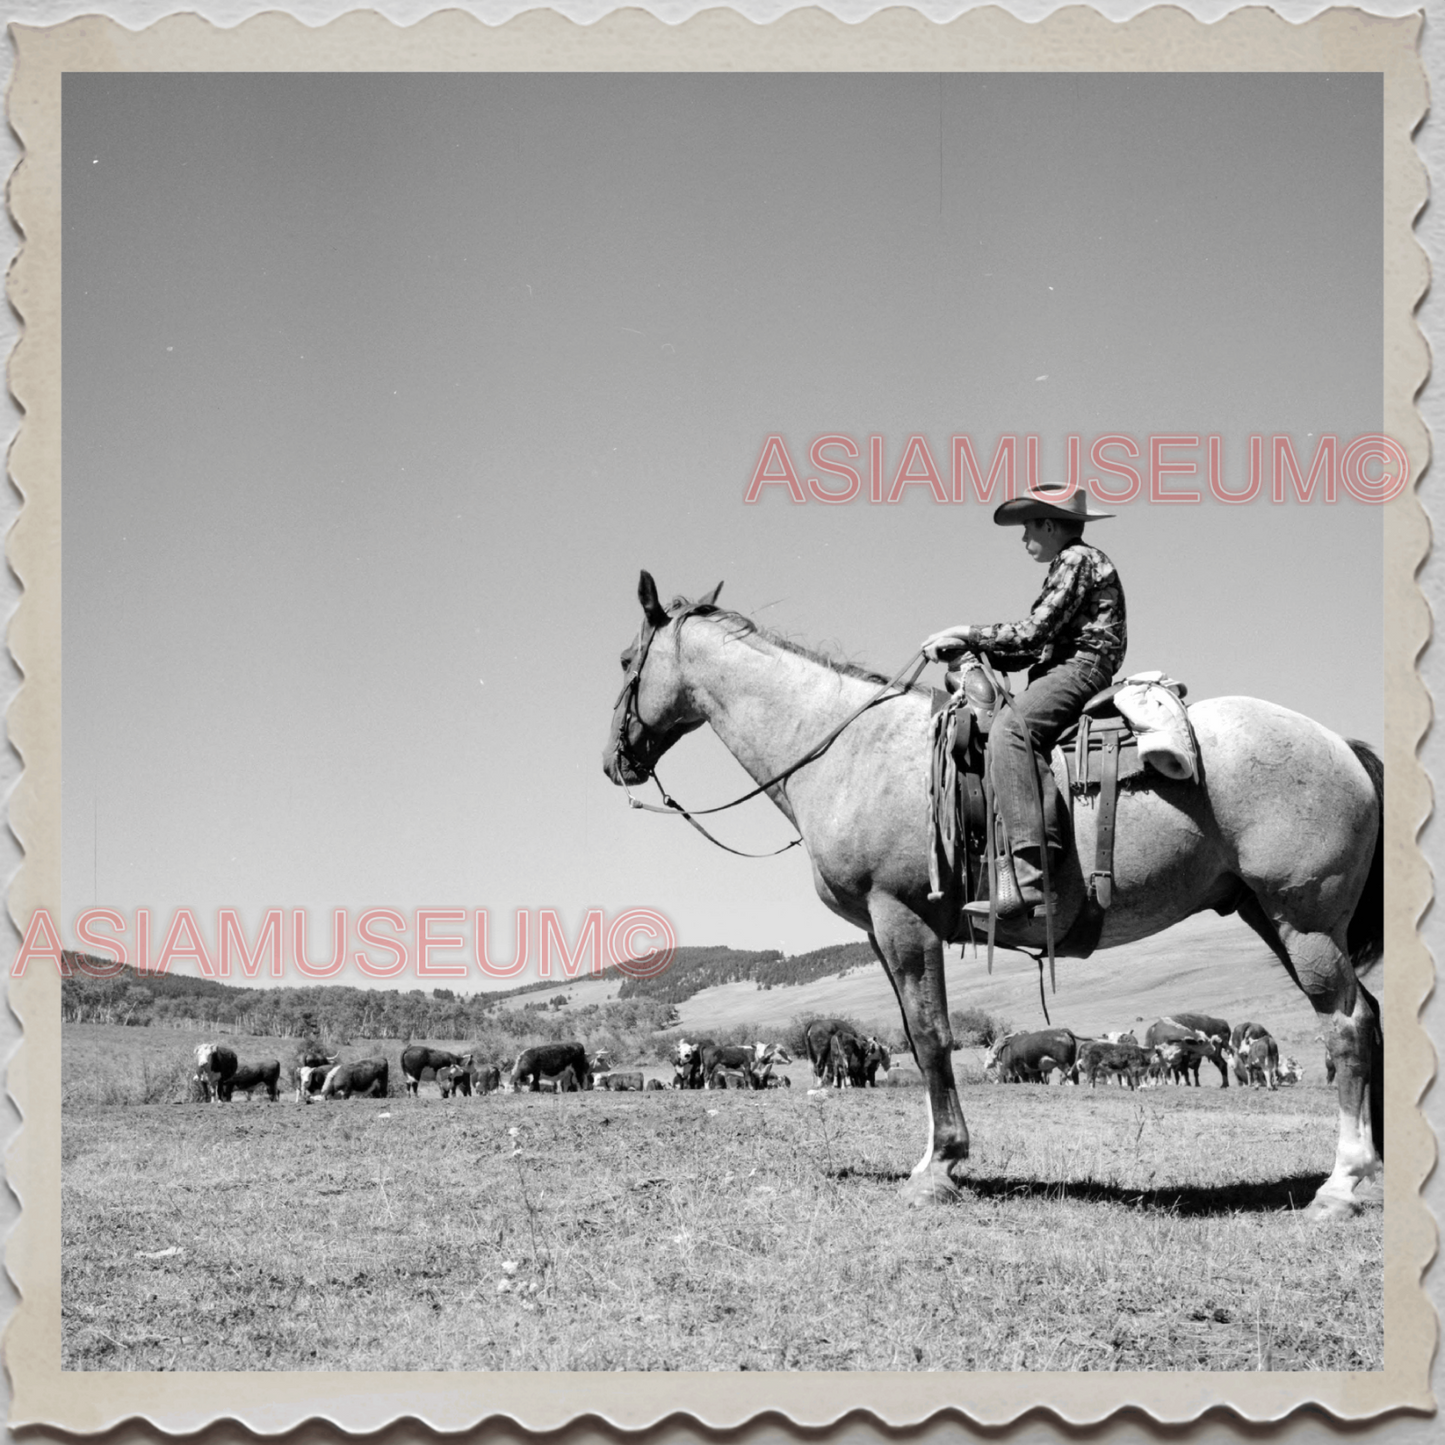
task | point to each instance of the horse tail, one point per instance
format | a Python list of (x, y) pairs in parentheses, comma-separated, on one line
[(1365, 938)]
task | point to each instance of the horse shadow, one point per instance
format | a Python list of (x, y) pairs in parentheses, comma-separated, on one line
[(1185, 1201)]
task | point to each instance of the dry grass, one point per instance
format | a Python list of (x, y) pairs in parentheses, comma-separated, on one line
[(1102, 1230)]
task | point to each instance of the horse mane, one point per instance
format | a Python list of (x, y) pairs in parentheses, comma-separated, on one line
[(740, 626)]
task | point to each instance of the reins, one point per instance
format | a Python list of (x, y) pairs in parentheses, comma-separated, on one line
[(670, 804)]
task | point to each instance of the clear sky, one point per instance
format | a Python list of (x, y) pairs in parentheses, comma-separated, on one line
[(380, 390)]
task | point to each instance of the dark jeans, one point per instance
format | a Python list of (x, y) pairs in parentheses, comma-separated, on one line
[(1047, 705)]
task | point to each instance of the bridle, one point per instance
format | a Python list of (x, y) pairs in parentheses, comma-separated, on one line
[(623, 751)]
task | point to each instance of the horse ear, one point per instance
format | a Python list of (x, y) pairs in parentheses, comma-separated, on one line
[(711, 597), (652, 609)]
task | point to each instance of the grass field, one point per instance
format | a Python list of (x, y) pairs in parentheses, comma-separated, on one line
[(1101, 1230)]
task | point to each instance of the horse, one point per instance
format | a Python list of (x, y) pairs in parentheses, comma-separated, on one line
[(1283, 829)]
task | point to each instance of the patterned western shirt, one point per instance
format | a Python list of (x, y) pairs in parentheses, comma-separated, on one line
[(1080, 610)]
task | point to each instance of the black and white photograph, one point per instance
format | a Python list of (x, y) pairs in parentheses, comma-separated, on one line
[(728, 722)]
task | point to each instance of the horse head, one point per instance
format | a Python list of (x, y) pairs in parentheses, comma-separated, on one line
[(653, 709)]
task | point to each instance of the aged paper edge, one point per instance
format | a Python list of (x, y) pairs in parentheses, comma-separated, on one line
[(1160, 39)]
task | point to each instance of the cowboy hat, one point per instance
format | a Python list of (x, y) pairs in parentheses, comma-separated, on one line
[(1044, 502)]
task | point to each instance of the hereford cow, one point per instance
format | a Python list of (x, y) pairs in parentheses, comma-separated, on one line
[(1032, 1057), (253, 1076), (687, 1063), (1260, 1059), (418, 1058), (549, 1062), (366, 1077), (309, 1062), (214, 1063), (1216, 1030), (1194, 1045), (310, 1079), (1289, 1072), (1241, 1034), (454, 1079), (485, 1078)]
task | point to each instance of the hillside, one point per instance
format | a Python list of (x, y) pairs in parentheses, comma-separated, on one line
[(1207, 964)]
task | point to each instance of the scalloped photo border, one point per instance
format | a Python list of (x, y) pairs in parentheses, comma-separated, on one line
[(1162, 39)]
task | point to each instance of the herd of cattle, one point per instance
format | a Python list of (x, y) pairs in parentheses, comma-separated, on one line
[(1173, 1049), (838, 1054)]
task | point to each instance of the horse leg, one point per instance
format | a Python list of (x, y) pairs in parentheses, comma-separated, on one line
[(1322, 968), (912, 956)]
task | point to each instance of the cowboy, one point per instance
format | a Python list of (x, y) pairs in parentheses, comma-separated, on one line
[(1072, 642)]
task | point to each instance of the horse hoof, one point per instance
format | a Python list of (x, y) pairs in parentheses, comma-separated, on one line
[(929, 1188), (1327, 1208)]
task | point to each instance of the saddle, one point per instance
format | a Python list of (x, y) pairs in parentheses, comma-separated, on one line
[(1099, 755)]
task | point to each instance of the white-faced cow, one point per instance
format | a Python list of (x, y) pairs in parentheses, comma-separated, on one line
[(309, 1070), (1259, 1059), (247, 1077), (687, 1063), (1289, 1072), (455, 1079), (1032, 1058), (214, 1064), (417, 1059), (1216, 1030), (765, 1058), (310, 1079), (547, 1063), (369, 1076), (1183, 1047)]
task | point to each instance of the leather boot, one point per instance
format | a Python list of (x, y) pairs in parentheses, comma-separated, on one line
[(1028, 869), (1018, 887), (1008, 903)]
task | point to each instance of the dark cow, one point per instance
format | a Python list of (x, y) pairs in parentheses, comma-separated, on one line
[(214, 1063), (846, 1053), (454, 1079), (550, 1062), (655, 1084), (253, 1076), (485, 1078), (418, 1058), (718, 1059), (621, 1083), (1032, 1058), (875, 1056), (1127, 1062), (819, 1038), (365, 1077)]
